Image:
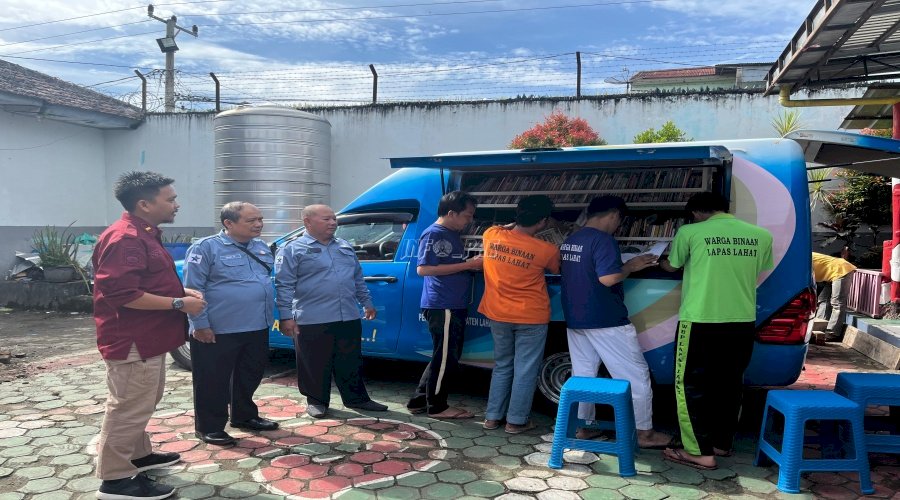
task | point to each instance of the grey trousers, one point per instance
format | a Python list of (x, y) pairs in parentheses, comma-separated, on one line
[(832, 302)]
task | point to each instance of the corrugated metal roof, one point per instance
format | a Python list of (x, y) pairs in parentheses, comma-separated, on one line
[(674, 73), (874, 115), (841, 41), (25, 91)]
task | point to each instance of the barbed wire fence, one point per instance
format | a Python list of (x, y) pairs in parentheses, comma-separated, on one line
[(564, 75)]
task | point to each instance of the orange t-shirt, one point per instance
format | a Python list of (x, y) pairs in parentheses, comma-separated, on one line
[(515, 290)]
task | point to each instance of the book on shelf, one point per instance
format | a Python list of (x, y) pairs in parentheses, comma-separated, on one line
[(631, 251)]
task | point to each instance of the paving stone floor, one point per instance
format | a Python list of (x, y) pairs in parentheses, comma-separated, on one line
[(49, 424)]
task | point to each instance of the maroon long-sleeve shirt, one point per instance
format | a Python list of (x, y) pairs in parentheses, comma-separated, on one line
[(129, 261)]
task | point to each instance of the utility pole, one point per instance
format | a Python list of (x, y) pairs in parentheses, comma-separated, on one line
[(168, 47)]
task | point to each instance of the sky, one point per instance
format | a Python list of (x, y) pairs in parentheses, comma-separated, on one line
[(319, 52)]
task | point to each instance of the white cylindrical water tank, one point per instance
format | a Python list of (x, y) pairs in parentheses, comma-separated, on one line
[(278, 159)]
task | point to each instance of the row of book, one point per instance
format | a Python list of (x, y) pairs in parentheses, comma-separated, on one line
[(649, 227), (670, 178)]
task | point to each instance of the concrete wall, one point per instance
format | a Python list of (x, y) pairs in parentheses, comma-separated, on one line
[(55, 173)]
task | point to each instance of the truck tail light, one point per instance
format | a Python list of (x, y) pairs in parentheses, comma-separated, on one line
[(789, 325)]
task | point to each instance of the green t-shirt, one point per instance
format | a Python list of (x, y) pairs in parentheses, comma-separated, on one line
[(722, 259)]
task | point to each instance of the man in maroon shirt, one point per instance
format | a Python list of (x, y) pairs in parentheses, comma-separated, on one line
[(139, 309)]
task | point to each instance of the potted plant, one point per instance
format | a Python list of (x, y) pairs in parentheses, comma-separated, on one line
[(56, 250)]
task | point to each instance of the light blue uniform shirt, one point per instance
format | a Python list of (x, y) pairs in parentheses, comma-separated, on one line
[(237, 289), (318, 283)]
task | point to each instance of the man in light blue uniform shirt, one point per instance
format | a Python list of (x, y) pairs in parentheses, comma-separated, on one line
[(320, 286), (230, 338)]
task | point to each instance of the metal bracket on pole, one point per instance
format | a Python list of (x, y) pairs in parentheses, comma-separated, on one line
[(578, 87), (143, 91), (218, 107), (374, 84)]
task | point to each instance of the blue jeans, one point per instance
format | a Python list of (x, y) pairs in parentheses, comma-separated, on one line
[(518, 351)]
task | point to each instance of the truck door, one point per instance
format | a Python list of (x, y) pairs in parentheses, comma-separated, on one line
[(376, 238)]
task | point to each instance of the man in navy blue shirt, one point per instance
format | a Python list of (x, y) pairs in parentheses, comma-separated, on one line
[(598, 327), (230, 338), (446, 294)]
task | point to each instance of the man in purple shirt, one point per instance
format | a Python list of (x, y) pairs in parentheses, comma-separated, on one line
[(446, 294)]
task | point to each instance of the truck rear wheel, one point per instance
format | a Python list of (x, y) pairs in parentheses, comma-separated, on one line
[(555, 370), (182, 356)]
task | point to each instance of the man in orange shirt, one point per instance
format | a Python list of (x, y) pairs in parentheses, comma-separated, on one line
[(516, 301)]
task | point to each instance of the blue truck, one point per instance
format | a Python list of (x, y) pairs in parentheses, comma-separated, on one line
[(764, 179)]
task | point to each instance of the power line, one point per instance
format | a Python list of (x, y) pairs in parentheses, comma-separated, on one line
[(73, 33), (440, 14), (75, 62), (76, 43), (333, 9)]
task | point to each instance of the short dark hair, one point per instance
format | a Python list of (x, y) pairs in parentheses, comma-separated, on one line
[(231, 211), (602, 205), (707, 203), (533, 209), (456, 201), (132, 187)]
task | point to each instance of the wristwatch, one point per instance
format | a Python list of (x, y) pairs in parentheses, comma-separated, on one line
[(177, 304)]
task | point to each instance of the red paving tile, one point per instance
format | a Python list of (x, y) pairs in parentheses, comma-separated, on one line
[(254, 442), (834, 492), (281, 415), (162, 437), (367, 457), (158, 428), (391, 467), (328, 438), (290, 461), (233, 454), (270, 474), (330, 423), (289, 486), (330, 484), (406, 456), (348, 470), (178, 446), (195, 456), (310, 471), (384, 446), (258, 452), (292, 441), (380, 426), (295, 408), (363, 436), (399, 436), (179, 420), (311, 430)]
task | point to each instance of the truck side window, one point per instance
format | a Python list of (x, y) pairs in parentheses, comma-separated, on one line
[(373, 240)]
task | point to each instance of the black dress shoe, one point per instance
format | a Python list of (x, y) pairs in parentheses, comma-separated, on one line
[(257, 424), (137, 487), (316, 411), (155, 461), (368, 406), (220, 438)]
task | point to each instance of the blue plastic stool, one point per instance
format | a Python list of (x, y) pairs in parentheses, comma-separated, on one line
[(798, 407), (616, 393), (872, 389)]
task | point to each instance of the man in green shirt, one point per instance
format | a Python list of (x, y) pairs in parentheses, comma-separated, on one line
[(722, 259)]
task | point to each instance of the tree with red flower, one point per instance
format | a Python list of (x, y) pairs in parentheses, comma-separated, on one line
[(558, 130)]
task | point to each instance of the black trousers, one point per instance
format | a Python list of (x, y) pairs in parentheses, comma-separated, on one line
[(330, 348), (447, 327), (228, 371), (710, 359)]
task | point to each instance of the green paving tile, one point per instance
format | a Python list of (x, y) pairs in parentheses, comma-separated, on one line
[(417, 479), (42, 485), (747, 470), (638, 492), (480, 452), (50, 405), (600, 494), (646, 479), (442, 490), (494, 441), (468, 432), (11, 496), (196, 491), (651, 463), (311, 449), (16, 451), (517, 450), (179, 479), (222, 477), (397, 493), (496, 473), (358, 495), (53, 495), (83, 484), (249, 463), (14, 441), (506, 462), (484, 488), (35, 472), (439, 467), (82, 440), (682, 491), (242, 489), (683, 475), (44, 432), (755, 485), (523, 439), (59, 450), (386, 483), (606, 481), (50, 441), (457, 443), (607, 464), (457, 476), (76, 471), (85, 430), (718, 474), (27, 459)]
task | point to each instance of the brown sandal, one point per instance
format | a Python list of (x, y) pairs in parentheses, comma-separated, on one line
[(454, 413)]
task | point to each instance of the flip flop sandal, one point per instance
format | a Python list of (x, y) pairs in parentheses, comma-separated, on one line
[(678, 457), (457, 414), (659, 446)]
